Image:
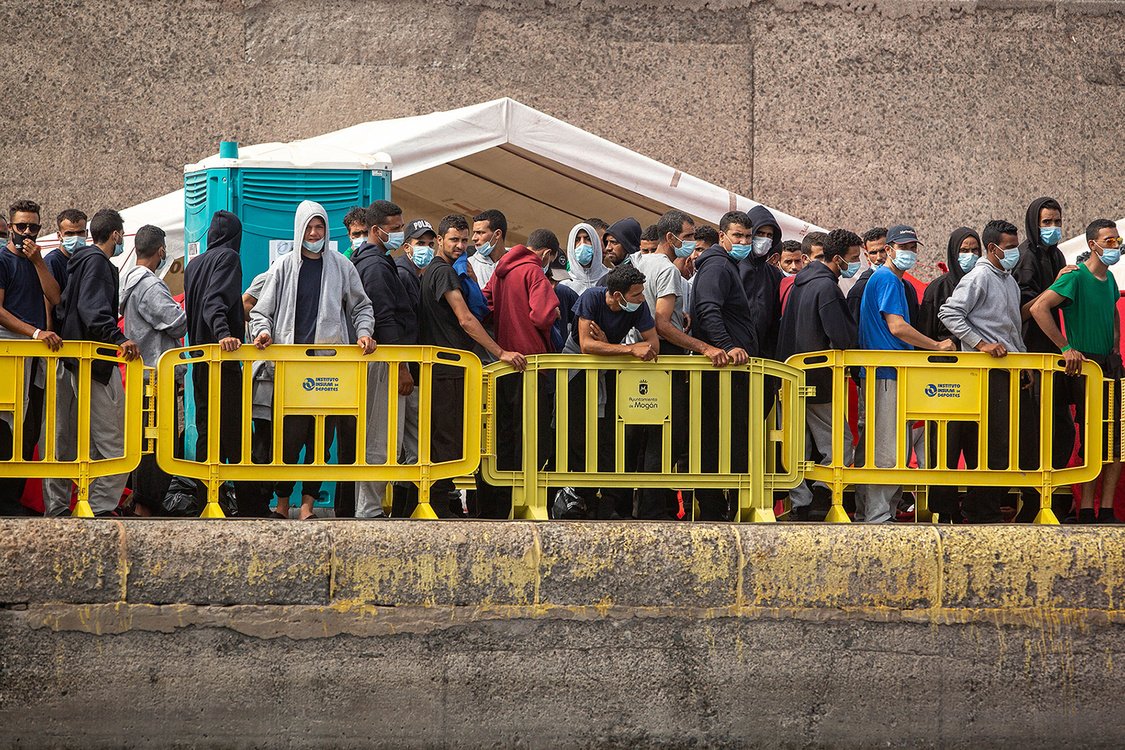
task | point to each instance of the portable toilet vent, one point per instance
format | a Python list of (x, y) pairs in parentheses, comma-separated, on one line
[(263, 185)]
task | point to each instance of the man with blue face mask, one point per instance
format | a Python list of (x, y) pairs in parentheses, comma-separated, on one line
[(71, 225), (490, 232), (884, 325)]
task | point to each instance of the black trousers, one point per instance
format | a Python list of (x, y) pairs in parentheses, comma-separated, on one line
[(344, 500), (661, 504), (230, 411), (713, 504), (614, 500), (300, 434), (447, 425), (1062, 441)]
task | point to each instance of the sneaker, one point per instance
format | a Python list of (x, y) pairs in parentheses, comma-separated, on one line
[(1086, 515), (1106, 515)]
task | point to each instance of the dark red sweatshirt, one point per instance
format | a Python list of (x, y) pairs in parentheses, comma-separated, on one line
[(523, 303)]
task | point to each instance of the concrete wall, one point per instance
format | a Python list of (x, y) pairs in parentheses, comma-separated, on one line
[(417, 634), (936, 112)]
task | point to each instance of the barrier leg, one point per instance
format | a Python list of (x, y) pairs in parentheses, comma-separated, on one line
[(82, 508), (837, 514), (212, 508), (1046, 516), (424, 509)]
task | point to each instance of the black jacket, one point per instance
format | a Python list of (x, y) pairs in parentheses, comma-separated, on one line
[(816, 318), (762, 283), (213, 285), (390, 300), (88, 308), (412, 285), (941, 288), (720, 312), (1035, 271)]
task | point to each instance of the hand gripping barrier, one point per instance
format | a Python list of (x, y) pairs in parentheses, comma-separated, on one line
[(1008, 400), (692, 408), (318, 382), (29, 388)]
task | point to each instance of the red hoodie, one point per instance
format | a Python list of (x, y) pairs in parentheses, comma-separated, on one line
[(523, 303)]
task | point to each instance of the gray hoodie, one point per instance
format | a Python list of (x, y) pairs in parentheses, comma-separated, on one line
[(152, 318), (985, 306), (582, 278)]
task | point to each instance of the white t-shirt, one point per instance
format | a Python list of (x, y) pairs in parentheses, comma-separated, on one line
[(483, 267)]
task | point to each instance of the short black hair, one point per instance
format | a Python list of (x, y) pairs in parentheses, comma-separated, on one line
[(599, 224), (734, 217), (543, 238), (24, 206), (811, 239), (673, 221), (72, 215), (791, 246), (650, 234), (874, 233), (993, 230), (357, 215), (105, 222), (837, 242), (495, 219), (1049, 203), (380, 211), (452, 221), (148, 240), (706, 235), (623, 278), (1082, 257), (1098, 225)]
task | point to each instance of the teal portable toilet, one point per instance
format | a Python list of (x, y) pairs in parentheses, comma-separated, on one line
[(263, 185)]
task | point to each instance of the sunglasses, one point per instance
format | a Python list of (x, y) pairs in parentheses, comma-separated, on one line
[(25, 227)]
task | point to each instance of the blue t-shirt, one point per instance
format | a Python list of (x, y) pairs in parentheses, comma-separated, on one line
[(470, 290), (884, 294), (23, 294), (591, 305)]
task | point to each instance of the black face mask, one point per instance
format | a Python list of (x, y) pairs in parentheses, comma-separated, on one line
[(17, 239)]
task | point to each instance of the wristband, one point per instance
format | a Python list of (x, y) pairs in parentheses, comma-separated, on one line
[(36, 334), (1065, 349)]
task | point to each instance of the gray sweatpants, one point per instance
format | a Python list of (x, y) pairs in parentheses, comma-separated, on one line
[(818, 447), (107, 440), (369, 495), (878, 502)]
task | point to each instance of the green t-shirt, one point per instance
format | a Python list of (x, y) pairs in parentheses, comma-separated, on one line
[(1088, 313)]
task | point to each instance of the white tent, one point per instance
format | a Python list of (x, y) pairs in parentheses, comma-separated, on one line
[(540, 171)]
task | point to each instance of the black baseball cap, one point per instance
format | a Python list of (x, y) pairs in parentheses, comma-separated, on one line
[(900, 234), (417, 228)]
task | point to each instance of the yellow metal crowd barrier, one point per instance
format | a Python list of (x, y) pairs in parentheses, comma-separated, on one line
[(318, 381), (644, 397), (941, 389), (27, 366)]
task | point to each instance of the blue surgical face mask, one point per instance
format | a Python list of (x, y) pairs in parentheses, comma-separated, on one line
[(314, 247), (738, 252), (686, 249), (967, 261), (1011, 257), (1110, 256), (485, 250), (394, 240), (118, 249), (850, 271), (163, 262), (762, 245), (905, 259), (422, 255), (1050, 235), (70, 244), (627, 305), (584, 254), (357, 242)]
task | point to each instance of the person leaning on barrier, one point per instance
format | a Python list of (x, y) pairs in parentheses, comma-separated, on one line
[(88, 312), (394, 316), (157, 323), (311, 296), (721, 317), (816, 318), (603, 317), (884, 325), (524, 310), (983, 314), (1088, 298)]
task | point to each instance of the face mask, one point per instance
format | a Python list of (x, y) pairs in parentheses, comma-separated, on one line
[(422, 255), (118, 249), (313, 247), (967, 261), (786, 274), (485, 250), (686, 249), (762, 245), (70, 243), (394, 240), (163, 262), (627, 305), (738, 252), (357, 242), (905, 259), (17, 239), (1011, 257), (584, 254), (850, 271), (1110, 256), (1050, 235)]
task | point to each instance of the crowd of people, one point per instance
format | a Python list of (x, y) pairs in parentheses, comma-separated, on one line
[(727, 293)]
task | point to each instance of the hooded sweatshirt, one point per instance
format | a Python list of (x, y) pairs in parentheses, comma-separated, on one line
[(391, 302), (940, 288), (213, 285), (762, 283), (524, 306), (720, 312), (582, 278), (816, 318), (88, 308), (343, 306), (152, 318), (1035, 271), (412, 285), (985, 306), (627, 231)]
